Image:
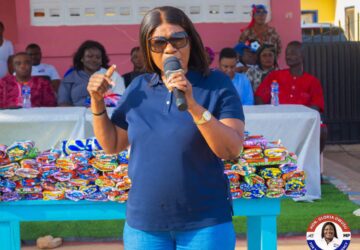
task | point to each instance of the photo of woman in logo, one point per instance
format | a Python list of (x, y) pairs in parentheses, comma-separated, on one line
[(329, 238)]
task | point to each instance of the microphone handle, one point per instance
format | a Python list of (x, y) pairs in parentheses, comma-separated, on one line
[(180, 100)]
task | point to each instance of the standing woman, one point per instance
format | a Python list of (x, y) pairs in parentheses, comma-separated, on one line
[(179, 197), (259, 30), (265, 63)]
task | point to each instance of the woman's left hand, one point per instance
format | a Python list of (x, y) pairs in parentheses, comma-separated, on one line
[(178, 80)]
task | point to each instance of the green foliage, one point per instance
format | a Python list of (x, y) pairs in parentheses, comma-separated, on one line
[(294, 218)]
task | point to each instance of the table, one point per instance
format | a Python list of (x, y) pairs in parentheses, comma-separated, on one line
[(261, 217), (297, 126), (46, 126)]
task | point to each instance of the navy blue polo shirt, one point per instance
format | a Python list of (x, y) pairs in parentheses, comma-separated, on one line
[(177, 181)]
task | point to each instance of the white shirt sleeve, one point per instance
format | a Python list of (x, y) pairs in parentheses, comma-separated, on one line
[(54, 75), (6, 50), (119, 87)]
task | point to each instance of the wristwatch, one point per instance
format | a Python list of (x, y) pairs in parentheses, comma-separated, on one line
[(205, 117)]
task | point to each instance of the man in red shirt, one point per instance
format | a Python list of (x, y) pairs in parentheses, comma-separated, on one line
[(42, 94), (295, 85)]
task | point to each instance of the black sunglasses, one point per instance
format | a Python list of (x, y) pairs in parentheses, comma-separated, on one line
[(178, 40)]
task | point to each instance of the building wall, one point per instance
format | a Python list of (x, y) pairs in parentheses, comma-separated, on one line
[(340, 16), (325, 8), (59, 43), (8, 18)]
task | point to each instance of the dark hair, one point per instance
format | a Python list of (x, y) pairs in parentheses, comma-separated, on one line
[(135, 49), (22, 53), (10, 58), (10, 64), (261, 49), (227, 53), (323, 229), (2, 25), (296, 44), (172, 15), (210, 52), (33, 46), (89, 44)]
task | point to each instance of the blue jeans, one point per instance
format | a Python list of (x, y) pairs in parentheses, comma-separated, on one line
[(221, 236)]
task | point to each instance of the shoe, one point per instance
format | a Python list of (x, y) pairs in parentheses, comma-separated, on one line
[(48, 242)]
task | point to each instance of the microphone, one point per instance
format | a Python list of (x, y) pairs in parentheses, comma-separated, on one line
[(171, 66)]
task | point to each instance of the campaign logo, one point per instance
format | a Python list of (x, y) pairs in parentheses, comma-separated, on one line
[(328, 231)]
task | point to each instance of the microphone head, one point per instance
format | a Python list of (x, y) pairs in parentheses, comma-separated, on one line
[(171, 64)]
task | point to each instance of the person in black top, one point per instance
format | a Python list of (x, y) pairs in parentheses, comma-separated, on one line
[(138, 62)]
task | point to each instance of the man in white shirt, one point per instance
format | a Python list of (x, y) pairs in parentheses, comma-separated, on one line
[(42, 69), (6, 50)]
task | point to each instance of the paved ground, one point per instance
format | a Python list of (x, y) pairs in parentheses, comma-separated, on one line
[(347, 155), (289, 243), (341, 167)]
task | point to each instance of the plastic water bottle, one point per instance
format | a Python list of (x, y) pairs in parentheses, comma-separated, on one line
[(26, 96), (275, 93)]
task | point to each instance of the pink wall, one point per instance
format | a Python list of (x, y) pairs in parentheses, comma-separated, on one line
[(59, 43), (8, 17)]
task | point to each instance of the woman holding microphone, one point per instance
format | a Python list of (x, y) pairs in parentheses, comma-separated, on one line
[(179, 197)]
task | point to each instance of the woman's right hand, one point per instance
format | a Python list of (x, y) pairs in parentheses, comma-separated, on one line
[(98, 85)]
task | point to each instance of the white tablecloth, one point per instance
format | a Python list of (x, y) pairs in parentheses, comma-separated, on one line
[(45, 126), (298, 127)]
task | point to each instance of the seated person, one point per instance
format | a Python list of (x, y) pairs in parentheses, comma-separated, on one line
[(137, 60), (227, 64), (6, 50), (246, 53), (68, 71), (42, 95), (265, 63), (90, 58), (42, 69), (295, 85)]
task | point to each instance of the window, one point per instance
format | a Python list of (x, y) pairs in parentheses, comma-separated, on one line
[(97, 12), (309, 16), (350, 23)]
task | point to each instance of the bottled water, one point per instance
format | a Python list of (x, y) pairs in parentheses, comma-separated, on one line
[(26, 96), (275, 93)]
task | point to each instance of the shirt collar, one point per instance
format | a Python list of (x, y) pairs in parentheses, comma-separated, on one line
[(155, 80)]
